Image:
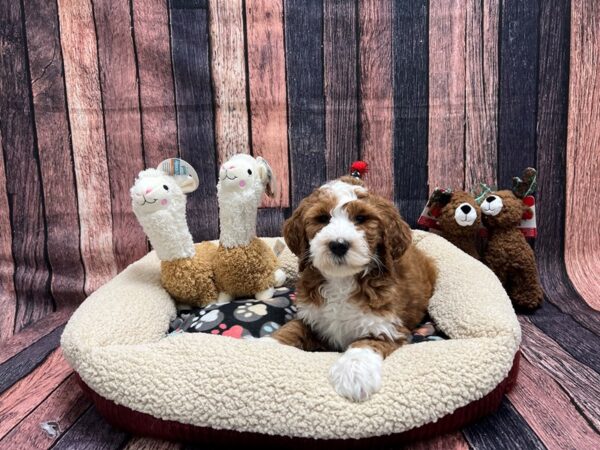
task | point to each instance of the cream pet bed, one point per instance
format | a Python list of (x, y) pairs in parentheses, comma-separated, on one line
[(213, 388)]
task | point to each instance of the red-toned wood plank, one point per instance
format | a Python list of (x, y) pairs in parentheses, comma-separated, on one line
[(8, 298), (340, 85), (481, 94), (140, 443), (54, 149), (78, 40), (157, 96), (268, 103), (23, 185), (581, 383), (33, 333), (376, 93), (450, 441), (120, 96), (582, 242), (228, 69), (23, 397), (50, 420), (446, 94), (549, 410)]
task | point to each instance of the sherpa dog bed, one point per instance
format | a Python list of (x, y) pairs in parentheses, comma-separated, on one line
[(215, 389)]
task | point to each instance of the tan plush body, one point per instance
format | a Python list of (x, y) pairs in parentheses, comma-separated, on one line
[(508, 254)]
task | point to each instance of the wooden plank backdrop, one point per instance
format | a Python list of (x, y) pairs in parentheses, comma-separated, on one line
[(445, 93)]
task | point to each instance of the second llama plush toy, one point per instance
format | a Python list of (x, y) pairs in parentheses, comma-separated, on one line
[(244, 266)]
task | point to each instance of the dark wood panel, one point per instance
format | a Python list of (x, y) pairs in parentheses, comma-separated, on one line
[(141, 443), (269, 222), (26, 206), (306, 106), (54, 149), (450, 441), (189, 35), (411, 97), (340, 48), (518, 84)]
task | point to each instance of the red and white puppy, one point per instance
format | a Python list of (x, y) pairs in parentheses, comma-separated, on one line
[(363, 285)]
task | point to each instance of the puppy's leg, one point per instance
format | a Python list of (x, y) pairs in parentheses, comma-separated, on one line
[(356, 375), (297, 334)]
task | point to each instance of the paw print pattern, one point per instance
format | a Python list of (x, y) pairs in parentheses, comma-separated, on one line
[(236, 331), (268, 329), (290, 312), (249, 311), (207, 319)]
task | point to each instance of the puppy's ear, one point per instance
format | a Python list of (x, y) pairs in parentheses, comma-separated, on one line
[(295, 234), (397, 235)]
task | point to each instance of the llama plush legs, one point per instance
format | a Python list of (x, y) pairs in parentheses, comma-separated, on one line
[(244, 265)]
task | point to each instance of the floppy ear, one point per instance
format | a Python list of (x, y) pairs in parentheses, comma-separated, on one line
[(295, 235), (186, 183), (266, 176), (397, 236)]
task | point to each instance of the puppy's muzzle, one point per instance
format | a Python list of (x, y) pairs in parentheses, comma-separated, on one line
[(339, 247)]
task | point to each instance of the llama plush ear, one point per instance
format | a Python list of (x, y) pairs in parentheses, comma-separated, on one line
[(182, 172), (266, 176)]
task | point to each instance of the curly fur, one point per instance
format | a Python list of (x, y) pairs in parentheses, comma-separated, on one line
[(464, 237), (509, 255)]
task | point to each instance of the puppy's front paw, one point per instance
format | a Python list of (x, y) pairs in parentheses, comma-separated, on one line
[(356, 375)]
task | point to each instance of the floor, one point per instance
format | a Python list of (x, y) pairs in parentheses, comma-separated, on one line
[(555, 404)]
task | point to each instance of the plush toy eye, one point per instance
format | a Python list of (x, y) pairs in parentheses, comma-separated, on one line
[(323, 218), (360, 219), (249, 172), (165, 187)]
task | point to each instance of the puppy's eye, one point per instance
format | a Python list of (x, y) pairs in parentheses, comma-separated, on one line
[(360, 219), (323, 218), (165, 187), (249, 172)]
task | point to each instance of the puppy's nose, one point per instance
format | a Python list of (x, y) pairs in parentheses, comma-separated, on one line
[(490, 199), (466, 209), (339, 247)]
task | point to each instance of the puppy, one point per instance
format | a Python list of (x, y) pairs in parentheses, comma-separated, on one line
[(363, 285)]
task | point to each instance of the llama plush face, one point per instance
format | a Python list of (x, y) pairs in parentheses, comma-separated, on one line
[(154, 191), (242, 173)]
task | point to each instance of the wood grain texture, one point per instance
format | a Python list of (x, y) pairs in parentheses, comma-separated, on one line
[(78, 41), (268, 98), (91, 431), (189, 42), (411, 97), (376, 93), (120, 97), (228, 69), (23, 186), (447, 94), (157, 97), (580, 382), (25, 362), (269, 222), (141, 443), (450, 441), (340, 49), (481, 92), (54, 150), (56, 414), (582, 243), (23, 397), (549, 411), (306, 105), (518, 86), (8, 296), (501, 428)]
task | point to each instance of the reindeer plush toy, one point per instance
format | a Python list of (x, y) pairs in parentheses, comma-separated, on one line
[(508, 254)]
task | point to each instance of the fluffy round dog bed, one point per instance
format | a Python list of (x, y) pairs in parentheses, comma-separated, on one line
[(196, 386)]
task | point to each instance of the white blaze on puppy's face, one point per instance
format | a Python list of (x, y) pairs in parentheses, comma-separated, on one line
[(340, 249)]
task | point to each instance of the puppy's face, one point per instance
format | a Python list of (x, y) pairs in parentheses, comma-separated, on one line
[(342, 230)]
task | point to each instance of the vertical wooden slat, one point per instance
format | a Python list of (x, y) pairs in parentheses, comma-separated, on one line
[(449, 441), (341, 85), (22, 172), (376, 93), (157, 96), (481, 94), (8, 299), (228, 69), (268, 103), (446, 94), (189, 34), (306, 106), (78, 41), (118, 83), (517, 89), (411, 97), (56, 161), (582, 243)]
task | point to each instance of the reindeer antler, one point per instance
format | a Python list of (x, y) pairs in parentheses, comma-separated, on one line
[(526, 186)]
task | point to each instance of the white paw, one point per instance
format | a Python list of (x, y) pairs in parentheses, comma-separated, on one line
[(280, 277), (224, 297), (356, 375), (265, 295)]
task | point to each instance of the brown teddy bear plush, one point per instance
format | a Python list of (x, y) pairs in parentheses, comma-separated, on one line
[(508, 254), (457, 216)]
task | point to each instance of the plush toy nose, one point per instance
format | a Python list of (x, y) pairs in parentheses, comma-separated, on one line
[(339, 247), (466, 209), (148, 190), (231, 167), (490, 199)]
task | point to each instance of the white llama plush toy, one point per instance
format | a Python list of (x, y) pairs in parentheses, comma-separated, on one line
[(159, 200), (244, 266)]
